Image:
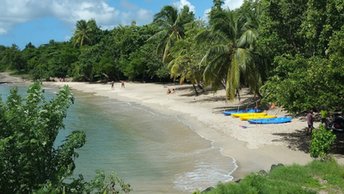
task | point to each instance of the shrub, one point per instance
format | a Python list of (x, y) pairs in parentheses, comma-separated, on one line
[(29, 161), (322, 140)]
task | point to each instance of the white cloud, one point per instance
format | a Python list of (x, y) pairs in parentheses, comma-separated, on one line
[(3, 31), (13, 12), (232, 4), (181, 3), (206, 14)]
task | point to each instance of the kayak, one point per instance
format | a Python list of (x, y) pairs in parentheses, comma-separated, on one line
[(229, 112), (257, 117), (248, 114), (271, 120)]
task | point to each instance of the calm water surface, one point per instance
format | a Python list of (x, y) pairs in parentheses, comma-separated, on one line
[(154, 152)]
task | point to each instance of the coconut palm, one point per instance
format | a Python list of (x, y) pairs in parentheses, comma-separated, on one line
[(171, 24), (86, 32), (186, 55), (232, 60)]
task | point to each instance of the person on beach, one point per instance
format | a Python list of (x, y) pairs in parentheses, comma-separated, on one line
[(168, 91), (310, 120), (122, 84), (112, 84)]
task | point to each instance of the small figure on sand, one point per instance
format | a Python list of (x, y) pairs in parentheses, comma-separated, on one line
[(169, 91), (310, 122), (122, 84), (112, 84)]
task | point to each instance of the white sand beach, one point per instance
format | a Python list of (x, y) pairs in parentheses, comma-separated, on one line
[(255, 147)]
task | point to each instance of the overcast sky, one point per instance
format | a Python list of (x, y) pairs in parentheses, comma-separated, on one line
[(38, 21)]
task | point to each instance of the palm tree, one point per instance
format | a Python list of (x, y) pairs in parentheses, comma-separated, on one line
[(186, 55), (232, 60), (171, 24), (86, 32)]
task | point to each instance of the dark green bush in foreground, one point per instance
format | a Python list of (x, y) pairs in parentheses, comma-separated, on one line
[(327, 176), (29, 160)]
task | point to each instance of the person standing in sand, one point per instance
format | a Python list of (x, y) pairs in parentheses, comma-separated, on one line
[(310, 122), (112, 84)]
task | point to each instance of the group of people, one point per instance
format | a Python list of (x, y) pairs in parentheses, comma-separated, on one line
[(169, 91)]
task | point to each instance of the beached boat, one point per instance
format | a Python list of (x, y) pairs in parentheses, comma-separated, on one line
[(251, 110), (248, 114), (245, 118), (271, 120)]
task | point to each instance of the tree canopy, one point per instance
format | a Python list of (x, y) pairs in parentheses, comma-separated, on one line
[(277, 48)]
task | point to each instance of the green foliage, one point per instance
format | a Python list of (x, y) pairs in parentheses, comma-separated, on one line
[(233, 60), (28, 132), (299, 84), (326, 176), (171, 24), (29, 160), (187, 55), (11, 59), (86, 33), (323, 114), (322, 140), (322, 19), (99, 184)]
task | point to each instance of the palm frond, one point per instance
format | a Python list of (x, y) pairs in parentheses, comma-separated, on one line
[(248, 39)]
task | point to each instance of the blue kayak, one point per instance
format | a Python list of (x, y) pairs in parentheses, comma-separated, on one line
[(271, 120), (229, 112)]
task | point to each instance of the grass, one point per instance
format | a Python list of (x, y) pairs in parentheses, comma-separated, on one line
[(315, 177)]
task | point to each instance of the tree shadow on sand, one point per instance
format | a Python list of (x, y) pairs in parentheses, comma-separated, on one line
[(301, 141)]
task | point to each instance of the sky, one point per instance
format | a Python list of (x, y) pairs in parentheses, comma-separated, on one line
[(38, 21)]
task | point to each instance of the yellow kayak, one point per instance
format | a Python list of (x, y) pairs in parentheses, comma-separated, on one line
[(257, 117), (248, 114)]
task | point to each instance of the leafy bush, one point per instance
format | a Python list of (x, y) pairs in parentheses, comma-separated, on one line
[(322, 140), (29, 161)]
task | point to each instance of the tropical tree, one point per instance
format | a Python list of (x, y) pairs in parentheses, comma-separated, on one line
[(171, 24), (187, 55), (86, 33), (234, 58)]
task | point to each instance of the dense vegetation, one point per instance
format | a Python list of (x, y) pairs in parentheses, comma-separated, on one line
[(30, 158), (315, 177), (287, 52)]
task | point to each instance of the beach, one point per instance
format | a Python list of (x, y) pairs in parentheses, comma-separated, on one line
[(254, 147)]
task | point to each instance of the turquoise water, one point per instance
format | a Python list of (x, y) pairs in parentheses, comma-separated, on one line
[(154, 152)]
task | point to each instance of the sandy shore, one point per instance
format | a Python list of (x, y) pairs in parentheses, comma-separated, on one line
[(255, 147), (5, 77)]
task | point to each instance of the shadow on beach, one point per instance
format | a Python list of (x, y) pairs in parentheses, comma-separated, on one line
[(301, 141)]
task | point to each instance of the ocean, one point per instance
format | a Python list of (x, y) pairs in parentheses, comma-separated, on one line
[(152, 151)]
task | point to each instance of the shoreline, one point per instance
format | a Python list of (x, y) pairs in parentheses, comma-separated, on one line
[(253, 147), (5, 77)]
